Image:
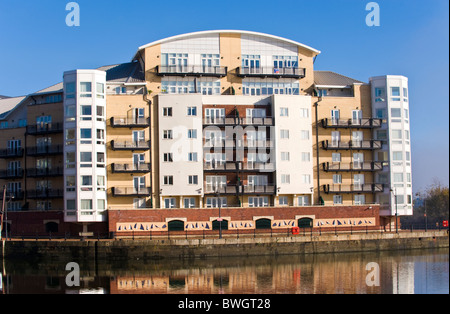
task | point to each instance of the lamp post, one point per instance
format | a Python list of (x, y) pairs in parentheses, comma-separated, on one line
[(219, 201), (425, 209), (396, 212)]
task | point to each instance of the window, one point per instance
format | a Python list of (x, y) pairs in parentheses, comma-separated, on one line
[(86, 159), (167, 111), (101, 183), (169, 202), (336, 157), (408, 156), (304, 113), (212, 202), (86, 113), (395, 91), (258, 201), (193, 179), (70, 160), (283, 200), (121, 90), (84, 135), (337, 199), (70, 136), (337, 178), (285, 179), (284, 156), (360, 199), (405, 92), (70, 90), (303, 200), (86, 180), (168, 180), (100, 136), (139, 203), (304, 134), (100, 159), (100, 113), (306, 178), (406, 135), (70, 184), (380, 113), (189, 202), (192, 111), (86, 204), (71, 205), (192, 133), (379, 92), (306, 156), (408, 177), (22, 123), (397, 134), (284, 134), (381, 134), (284, 112), (192, 157), (396, 113), (168, 157), (397, 155), (85, 89), (100, 90), (167, 134), (398, 177)]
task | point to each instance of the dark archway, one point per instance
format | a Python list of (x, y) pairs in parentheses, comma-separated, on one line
[(216, 224), (51, 227), (263, 223), (175, 225), (305, 223)]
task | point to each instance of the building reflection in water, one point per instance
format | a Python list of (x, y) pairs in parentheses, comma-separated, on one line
[(312, 274)]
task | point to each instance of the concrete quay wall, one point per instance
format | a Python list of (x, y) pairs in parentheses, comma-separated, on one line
[(157, 249)]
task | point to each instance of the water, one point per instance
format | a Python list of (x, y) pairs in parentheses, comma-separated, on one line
[(406, 272)]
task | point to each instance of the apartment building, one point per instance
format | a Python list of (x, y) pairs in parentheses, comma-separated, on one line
[(206, 120)]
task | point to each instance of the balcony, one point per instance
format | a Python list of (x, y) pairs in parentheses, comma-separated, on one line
[(14, 195), (271, 72), (45, 172), (238, 166), (268, 121), (353, 188), (192, 70), (131, 168), (131, 191), (365, 123), (45, 150), (354, 145), (11, 173), (259, 189), (130, 145), (238, 144), (353, 166), (11, 153), (45, 193), (222, 189), (48, 128), (124, 122)]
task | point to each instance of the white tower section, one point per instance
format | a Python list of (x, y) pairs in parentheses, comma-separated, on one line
[(390, 102), (84, 146)]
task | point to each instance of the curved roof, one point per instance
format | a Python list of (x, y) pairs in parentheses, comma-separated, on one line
[(168, 39)]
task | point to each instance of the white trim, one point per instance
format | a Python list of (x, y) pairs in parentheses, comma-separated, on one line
[(168, 39)]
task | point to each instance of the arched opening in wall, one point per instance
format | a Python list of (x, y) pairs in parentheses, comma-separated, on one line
[(305, 223), (175, 225), (216, 224), (263, 223), (51, 227)]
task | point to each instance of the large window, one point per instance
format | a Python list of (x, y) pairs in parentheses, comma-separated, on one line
[(85, 89), (270, 88)]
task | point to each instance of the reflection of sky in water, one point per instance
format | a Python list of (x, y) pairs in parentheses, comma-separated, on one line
[(400, 272)]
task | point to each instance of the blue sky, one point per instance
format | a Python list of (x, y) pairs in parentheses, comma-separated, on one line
[(36, 47)]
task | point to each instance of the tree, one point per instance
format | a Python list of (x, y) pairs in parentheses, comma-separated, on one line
[(434, 203)]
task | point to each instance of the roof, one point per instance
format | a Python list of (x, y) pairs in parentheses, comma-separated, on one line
[(2, 96), (127, 73), (168, 39), (328, 78), (8, 104)]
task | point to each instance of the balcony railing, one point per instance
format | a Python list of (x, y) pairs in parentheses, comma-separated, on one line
[(241, 166), (47, 128), (45, 150), (268, 121), (271, 72), (131, 168), (45, 172), (45, 193), (131, 191), (259, 189), (130, 145), (353, 188), (365, 123), (353, 166), (192, 70), (357, 145), (245, 143), (222, 189), (11, 152), (11, 173), (14, 195), (124, 122)]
